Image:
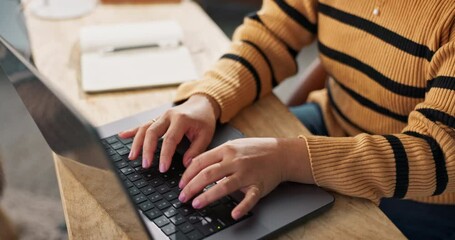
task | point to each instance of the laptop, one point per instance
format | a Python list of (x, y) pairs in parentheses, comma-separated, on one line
[(143, 203)]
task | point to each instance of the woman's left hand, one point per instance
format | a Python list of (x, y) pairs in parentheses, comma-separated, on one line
[(254, 166)]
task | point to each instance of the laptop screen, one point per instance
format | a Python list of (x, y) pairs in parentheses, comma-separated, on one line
[(69, 135)]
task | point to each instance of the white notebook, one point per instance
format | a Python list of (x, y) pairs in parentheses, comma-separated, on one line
[(125, 56)]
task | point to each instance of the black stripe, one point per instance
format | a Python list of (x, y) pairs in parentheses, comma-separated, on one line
[(254, 16), (442, 178), (394, 39), (292, 52), (297, 16), (438, 116), (401, 165), (274, 81), (445, 82), (372, 105), (250, 68), (389, 84), (337, 109)]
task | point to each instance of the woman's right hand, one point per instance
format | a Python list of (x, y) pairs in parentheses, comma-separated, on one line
[(196, 119)]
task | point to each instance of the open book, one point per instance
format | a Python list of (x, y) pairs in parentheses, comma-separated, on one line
[(125, 56)]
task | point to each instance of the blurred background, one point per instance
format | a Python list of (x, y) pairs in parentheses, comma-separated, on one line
[(32, 197)]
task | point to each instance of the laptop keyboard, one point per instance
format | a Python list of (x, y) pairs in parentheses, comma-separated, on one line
[(156, 195)]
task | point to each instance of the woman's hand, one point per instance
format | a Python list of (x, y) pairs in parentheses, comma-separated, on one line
[(196, 118), (254, 166)]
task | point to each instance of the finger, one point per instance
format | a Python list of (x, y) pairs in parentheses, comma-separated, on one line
[(197, 147), (252, 196), (128, 133), (138, 142), (152, 135), (200, 162), (225, 187), (172, 138)]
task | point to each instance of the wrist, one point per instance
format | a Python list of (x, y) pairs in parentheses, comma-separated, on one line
[(208, 103), (297, 164)]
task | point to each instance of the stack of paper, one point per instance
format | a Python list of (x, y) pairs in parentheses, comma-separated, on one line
[(115, 57)]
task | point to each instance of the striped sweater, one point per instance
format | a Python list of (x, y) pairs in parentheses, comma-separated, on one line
[(388, 105)]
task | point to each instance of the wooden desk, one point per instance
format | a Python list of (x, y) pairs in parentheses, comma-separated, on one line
[(56, 54)]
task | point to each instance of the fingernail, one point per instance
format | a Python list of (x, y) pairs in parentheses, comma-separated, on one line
[(131, 155), (188, 161), (236, 215), (182, 197), (145, 163), (162, 170), (181, 184), (196, 203)]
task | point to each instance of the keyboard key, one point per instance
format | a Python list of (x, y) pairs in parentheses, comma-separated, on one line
[(127, 170), (147, 190), (170, 195), (125, 140), (166, 176), (205, 228), (156, 182), (123, 151), (129, 145), (203, 211), (111, 140), (214, 204), (186, 227), (161, 221), (105, 144), (177, 219), (148, 175), (176, 203), (140, 183), (116, 157), (195, 218), (123, 177), (194, 235), (134, 177), (117, 145), (163, 189), (139, 198), (121, 164), (162, 204), (178, 236), (128, 184), (133, 191), (169, 229), (136, 163), (170, 212), (186, 210), (111, 151), (145, 206), (152, 214), (154, 197), (172, 183)]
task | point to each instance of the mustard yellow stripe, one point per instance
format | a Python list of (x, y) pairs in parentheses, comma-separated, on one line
[(420, 16), (362, 115), (280, 24), (270, 45), (361, 83), (390, 61)]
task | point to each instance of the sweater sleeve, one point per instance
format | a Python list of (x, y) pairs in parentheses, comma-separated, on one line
[(262, 54), (418, 162)]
